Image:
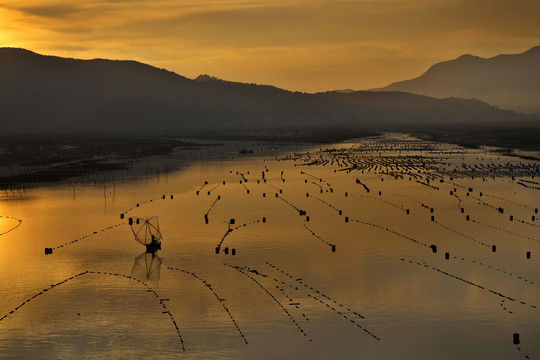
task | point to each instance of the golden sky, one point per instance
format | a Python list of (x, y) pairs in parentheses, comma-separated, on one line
[(304, 45)]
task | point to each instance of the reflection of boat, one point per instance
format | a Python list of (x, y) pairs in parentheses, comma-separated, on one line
[(147, 232), (147, 266)]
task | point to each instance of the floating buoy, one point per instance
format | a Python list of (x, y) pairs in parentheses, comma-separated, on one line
[(307, 218), (163, 197), (48, 251), (516, 338), (197, 192), (231, 221), (431, 210), (433, 248), (340, 212), (408, 211), (493, 248), (217, 249), (264, 194), (511, 218), (528, 254), (172, 197), (233, 251), (346, 194), (446, 256), (468, 218), (307, 194), (432, 218), (264, 219), (346, 219), (130, 221), (333, 248), (226, 251), (219, 197), (462, 210), (121, 216)]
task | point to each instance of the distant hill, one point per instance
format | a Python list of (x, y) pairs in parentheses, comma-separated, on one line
[(507, 81), (46, 93)]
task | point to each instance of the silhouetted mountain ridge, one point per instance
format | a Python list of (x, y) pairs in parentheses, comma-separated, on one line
[(47, 93), (507, 81)]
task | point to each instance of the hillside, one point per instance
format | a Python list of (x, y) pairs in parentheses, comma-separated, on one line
[(507, 81), (52, 94)]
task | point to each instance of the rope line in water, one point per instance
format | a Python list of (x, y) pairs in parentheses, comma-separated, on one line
[(510, 201), (477, 262), (230, 230), (19, 222), (88, 235), (391, 231), (324, 202), (461, 234), (317, 236), (217, 297), (211, 206), (149, 289), (272, 296), (468, 282), (379, 199), (410, 198), (324, 303), (504, 230)]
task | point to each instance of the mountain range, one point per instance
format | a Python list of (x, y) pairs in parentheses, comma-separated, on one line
[(52, 94), (507, 81)]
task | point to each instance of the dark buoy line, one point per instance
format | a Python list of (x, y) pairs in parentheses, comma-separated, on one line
[(230, 230), (324, 299), (219, 299), (332, 246), (49, 251), (19, 222), (272, 296), (426, 266), (87, 272)]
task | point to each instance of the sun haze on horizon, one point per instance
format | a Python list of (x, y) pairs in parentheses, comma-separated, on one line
[(301, 45)]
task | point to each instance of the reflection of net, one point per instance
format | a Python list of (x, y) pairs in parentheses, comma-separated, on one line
[(147, 266), (146, 230)]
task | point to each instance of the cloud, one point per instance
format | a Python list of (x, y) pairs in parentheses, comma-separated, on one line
[(299, 44)]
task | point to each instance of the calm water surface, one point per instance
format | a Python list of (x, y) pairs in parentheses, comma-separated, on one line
[(383, 294)]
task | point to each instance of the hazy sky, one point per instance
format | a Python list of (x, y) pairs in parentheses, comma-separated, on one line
[(306, 45)]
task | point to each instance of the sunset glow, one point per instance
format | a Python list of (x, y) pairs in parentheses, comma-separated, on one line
[(298, 45)]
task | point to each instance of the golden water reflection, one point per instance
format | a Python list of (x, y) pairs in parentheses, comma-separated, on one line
[(384, 292)]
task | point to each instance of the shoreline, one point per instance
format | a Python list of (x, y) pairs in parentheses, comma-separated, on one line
[(28, 162)]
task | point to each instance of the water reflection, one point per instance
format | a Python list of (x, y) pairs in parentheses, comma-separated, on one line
[(410, 242), (147, 266)]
